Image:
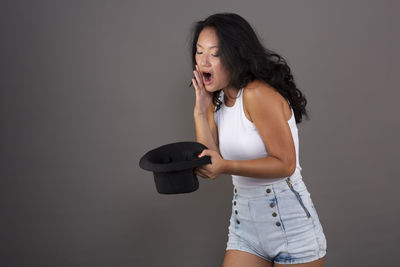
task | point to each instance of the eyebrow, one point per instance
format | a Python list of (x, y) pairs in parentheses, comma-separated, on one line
[(210, 46)]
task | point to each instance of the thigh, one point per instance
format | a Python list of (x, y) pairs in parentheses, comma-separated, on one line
[(316, 263), (237, 258)]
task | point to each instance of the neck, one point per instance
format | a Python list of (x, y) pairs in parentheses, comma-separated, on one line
[(230, 92)]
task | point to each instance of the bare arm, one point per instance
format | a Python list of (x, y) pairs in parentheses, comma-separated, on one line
[(206, 130), (268, 167)]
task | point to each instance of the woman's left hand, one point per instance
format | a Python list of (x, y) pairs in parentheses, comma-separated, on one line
[(214, 169)]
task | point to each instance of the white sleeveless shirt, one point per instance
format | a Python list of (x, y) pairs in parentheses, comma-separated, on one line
[(239, 139)]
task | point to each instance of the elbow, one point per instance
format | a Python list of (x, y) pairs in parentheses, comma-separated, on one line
[(291, 168)]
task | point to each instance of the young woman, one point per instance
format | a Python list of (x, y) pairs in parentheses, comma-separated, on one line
[(246, 111)]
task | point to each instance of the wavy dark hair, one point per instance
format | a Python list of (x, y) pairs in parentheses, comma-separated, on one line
[(246, 59)]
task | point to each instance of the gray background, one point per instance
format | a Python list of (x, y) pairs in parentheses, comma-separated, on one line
[(87, 87)]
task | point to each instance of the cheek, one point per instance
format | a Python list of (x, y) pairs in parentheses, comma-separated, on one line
[(219, 67), (222, 74)]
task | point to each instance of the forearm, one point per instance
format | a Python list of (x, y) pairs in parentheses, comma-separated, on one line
[(203, 132), (267, 167)]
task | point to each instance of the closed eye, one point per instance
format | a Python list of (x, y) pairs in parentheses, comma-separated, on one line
[(199, 53)]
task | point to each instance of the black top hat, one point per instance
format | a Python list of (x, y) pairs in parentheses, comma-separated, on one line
[(173, 166)]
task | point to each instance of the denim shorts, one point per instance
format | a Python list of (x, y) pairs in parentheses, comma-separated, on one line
[(277, 222)]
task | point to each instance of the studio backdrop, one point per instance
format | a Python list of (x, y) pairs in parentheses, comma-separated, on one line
[(88, 87)]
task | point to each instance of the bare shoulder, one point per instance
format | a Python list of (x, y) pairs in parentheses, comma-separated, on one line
[(259, 88), (259, 92)]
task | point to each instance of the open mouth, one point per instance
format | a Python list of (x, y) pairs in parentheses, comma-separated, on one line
[(207, 77)]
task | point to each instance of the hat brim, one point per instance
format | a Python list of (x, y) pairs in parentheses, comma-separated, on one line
[(174, 157)]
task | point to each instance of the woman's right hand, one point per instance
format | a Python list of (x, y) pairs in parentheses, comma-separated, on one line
[(203, 97)]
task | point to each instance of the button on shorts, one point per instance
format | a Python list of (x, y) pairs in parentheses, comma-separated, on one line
[(277, 222)]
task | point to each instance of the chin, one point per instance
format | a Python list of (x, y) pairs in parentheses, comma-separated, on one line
[(210, 88)]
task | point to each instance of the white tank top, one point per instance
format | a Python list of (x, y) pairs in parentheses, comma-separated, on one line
[(239, 139)]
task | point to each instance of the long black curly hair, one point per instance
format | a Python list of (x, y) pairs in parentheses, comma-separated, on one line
[(246, 59)]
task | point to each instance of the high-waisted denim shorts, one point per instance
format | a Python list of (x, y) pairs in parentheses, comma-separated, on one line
[(277, 222)]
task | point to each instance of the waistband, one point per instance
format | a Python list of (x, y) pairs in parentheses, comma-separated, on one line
[(266, 190)]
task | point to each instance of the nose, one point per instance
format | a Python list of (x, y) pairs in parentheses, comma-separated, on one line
[(204, 60)]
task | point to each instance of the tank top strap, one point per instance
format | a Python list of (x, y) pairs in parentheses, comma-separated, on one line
[(239, 97), (244, 121)]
